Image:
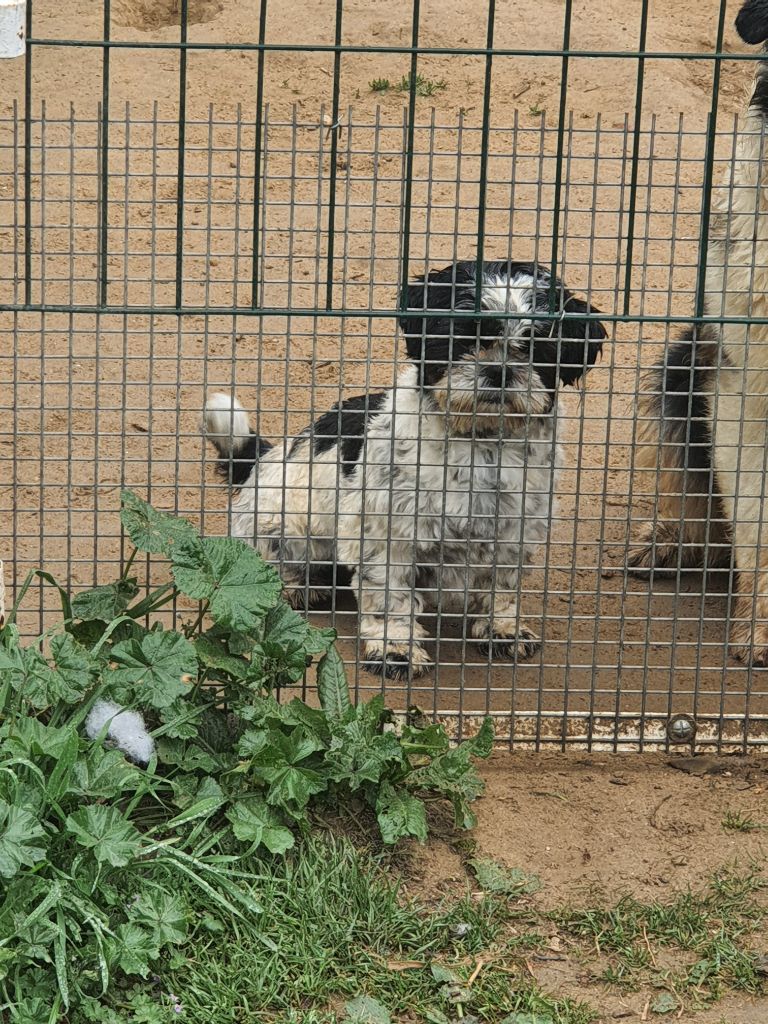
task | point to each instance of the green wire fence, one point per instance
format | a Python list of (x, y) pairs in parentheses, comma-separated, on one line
[(155, 247)]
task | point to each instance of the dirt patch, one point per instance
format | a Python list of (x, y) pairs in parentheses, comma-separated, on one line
[(152, 14), (597, 828)]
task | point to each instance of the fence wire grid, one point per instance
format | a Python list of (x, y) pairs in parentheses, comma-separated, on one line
[(152, 255)]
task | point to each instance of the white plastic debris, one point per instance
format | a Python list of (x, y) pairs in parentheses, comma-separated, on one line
[(127, 730), (13, 20)]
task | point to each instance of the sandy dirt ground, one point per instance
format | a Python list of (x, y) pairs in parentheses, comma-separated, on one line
[(93, 403)]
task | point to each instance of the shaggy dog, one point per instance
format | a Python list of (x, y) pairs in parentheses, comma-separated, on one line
[(441, 486), (704, 413)]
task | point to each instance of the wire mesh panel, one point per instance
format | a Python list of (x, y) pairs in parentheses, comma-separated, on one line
[(161, 250)]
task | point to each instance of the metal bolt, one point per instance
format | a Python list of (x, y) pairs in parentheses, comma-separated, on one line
[(681, 729)]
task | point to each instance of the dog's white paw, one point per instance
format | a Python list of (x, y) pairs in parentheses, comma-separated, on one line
[(396, 660), (520, 646)]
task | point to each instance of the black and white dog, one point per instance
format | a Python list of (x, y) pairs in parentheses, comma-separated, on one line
[(442, 485), (704, 411)]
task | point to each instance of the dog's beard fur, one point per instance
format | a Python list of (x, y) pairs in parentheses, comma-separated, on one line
[(447, 478), (473, 408)]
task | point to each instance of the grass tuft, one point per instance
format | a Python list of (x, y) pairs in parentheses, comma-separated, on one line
[(736, 821), (711, 931), (422, 86), (342, 926)]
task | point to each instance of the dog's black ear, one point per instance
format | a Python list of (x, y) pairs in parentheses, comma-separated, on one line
[(752, 21), (582, 340), (450, 289), (416, 295)]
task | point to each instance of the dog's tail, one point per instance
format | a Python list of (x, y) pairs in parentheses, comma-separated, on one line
[(225, 424)]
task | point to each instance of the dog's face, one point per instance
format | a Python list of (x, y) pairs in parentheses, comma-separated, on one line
[(483, 371)]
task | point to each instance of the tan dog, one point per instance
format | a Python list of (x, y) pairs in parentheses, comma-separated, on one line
[(704, 413)]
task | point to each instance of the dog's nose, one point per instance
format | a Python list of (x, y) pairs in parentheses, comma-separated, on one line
[(496, 376)]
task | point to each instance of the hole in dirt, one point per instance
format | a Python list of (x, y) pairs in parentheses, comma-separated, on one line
[(149, 14)]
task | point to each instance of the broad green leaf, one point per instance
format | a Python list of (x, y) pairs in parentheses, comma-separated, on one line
[(528, 1018), (313, 720), (94, 1011), (165, 916), (14, 667), (190, 789), (209, 788), (291, 787), (106, 603), (213, 654), (90, 632), (104, 774), (212, 924), (281, 748), (332, 687), (434, 1016), (184, 790), (187, 756), (299, 745), (431, 741), (181, 719), (400, 814), (150, 530), (273, 667), (253, 821), (454, 775), (219, 730), (42, 685), (457, 994), (32, 738), (495, 877), (201, 808), (371, 714), (147, 1010), (279, 763), (665, 1002), (252, 742), (155, 666), (37, 936), (132, 948), (32, 1010), (229, 574), (104, 831), (320, 640), (481, 745), (59, 779), (444, 974), (73, 668), (266, 712), (356, 757), (19, 831), (285, 628), (366, 1010)]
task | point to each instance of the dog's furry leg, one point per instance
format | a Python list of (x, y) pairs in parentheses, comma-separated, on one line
[(737, 286), (389, 603), (674, 463), (496, 621)]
